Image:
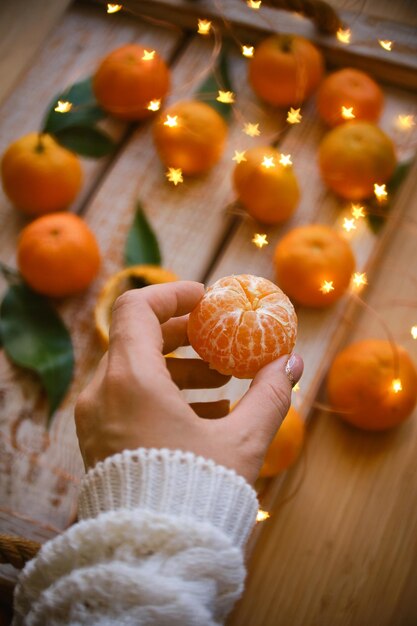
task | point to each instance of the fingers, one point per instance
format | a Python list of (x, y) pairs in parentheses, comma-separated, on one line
[(194, 374), (211, 410), (174, 333)]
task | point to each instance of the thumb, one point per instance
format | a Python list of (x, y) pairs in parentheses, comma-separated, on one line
[(268, 399)]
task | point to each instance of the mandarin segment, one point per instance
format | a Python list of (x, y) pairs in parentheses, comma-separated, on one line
[(242, 323)]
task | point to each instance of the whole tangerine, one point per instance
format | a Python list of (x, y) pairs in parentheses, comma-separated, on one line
[(58, 255), (351, 89), (355, 156), (196, 140), (39, 176), (373, 383), (286, 446), (268, 190), (314, 265), (242, 323), (285, 69), (129, 79)]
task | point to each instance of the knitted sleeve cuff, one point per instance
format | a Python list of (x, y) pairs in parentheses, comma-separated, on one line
[(171, 482)]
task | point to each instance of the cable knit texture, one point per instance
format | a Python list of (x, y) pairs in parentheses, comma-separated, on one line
[(159, 543)]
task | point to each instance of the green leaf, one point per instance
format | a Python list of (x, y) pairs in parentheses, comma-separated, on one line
[(218, 79), (85, 110), (35, 337), (377, 220), (86, 141), (142, 245)]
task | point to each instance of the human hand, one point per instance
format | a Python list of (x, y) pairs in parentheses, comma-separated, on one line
[(134, 398)]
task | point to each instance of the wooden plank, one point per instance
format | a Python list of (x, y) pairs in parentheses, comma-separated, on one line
[(22, 32), (397, 67)]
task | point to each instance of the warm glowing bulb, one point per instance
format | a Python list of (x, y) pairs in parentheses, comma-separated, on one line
[(63, 106), (347, 113), (260, 240), (413, 332), (396, 385), (148, 55), (262, 515), (296, 387), (226, 97), (204, 27), (327, 286), (349, 224), (251, 129), (174, 175), (405, 122), (344, 35), (268, 162), (285, 160), (358, 211), (294, 116), (154, 105), (113, 8), (254, 4), (359, 280), (380, 192), (247, 51), (386, 44), (171, 121), (239, 156)]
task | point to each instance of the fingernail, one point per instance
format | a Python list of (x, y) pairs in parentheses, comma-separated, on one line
[(294, 369)]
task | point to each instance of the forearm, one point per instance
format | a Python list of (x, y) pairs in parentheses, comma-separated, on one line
[(160, 542)]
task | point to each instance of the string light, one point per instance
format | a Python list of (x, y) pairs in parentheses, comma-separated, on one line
[(174, 175), (344, 35), (405, 122), (296, 387), (327, 286), (247, 51), (239, 156), (358, 211), (254, 4), (262, 515), (226, 97), (154, 105), (171, 121), (268, 162), (63, 106), (260, 240), (251, 129), (204, 27), (386, 44), (347, 113), (359, 280), (285, 160), (349, 224), (148, 55), (113, 8), (294, 116), (413, 332), (380, 192), (396, 385)]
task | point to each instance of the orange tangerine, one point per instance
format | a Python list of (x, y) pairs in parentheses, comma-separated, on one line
[(286, 446)]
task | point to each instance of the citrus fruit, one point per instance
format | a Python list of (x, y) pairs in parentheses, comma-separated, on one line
[(285, 446), (193, 140), (242, 323), (129, 79), (373, 384), (58, 254), (133, 277), (268, 190), (355, 156), (314, 265), (40, 176), (285, 69), (352, 89)]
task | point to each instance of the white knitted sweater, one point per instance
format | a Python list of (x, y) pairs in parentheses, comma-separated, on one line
[(159, 542)]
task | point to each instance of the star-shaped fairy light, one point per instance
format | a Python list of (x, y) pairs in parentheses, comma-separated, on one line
[(171, 121), (154, 105), (358, 211), (380, 192), (268, 162), (347, 113), (260, 240), (359, 280), (254, 4), (396, 385), (285, 160), (294, 116), (148, 55), (296, 387), (344, 35), (113, 8), (405, 122), (226, 97), (327, 286), (63, 106), (262, 515), (386, 44), (247, 51), (174, 175), (239, 156), (251, 129), (349, 224), (204, 27), (413, 332)]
